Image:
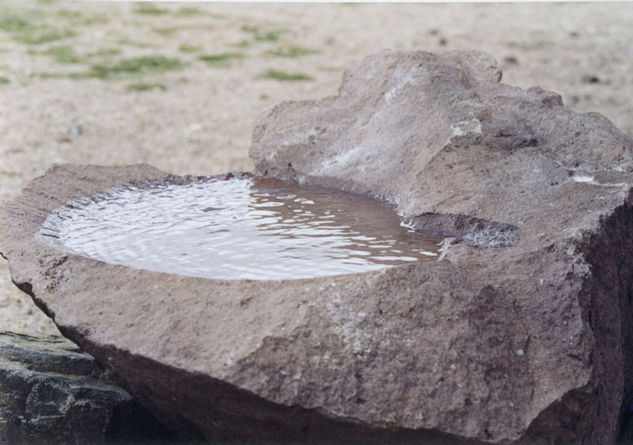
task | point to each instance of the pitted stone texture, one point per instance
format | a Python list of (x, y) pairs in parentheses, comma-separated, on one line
[(525, 341)]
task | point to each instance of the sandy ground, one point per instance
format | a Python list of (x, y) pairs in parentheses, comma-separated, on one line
[(70, 77)]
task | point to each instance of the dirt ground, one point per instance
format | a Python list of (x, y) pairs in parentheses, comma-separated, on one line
[(179, 85)]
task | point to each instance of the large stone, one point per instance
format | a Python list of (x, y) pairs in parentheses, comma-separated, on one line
[(518, 334), (52, 392), (538, 199)]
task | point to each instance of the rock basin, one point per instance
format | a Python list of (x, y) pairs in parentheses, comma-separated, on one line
[(520, 332), (229, 227)]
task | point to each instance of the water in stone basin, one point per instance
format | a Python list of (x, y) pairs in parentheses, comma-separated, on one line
[(239, 228)]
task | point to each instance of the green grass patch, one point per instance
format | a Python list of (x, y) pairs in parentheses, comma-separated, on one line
[(244, 43), (221, 59), (68, 14), (63, 54), (291, 52), (43, 34), (79, 18), (136, 44), (14, 22), (49, 75), (146, 86), (166, 30), (187, 11), (4, 80), (171, 30), (104, 52), (285, 76), (264, 33), (186, 48), (28, 26), (61, 75), (149, 9), (144, 64)]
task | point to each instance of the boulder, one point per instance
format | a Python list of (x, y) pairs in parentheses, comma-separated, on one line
[(538, 201), (52, 392), (518, 333)]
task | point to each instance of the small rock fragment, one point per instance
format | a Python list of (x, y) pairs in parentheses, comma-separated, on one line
[(76, 130), (590, 78)]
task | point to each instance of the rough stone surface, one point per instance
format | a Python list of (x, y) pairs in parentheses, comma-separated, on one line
[(546, 312), (52, 392), (518, 334)]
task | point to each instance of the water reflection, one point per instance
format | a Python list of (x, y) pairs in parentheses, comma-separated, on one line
[(237, 228)]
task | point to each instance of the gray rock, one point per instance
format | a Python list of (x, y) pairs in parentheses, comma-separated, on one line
[(76, 130), (521, 333), (52, 392), (590, 78)]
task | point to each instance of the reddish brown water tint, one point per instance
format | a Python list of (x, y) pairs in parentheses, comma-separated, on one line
[(239, 228)]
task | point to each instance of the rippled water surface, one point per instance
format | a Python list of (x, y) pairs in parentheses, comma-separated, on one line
[(237, 228)]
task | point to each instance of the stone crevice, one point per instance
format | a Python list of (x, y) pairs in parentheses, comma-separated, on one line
[(466, 229)]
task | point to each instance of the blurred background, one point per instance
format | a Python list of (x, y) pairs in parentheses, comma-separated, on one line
[(180, 85)]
